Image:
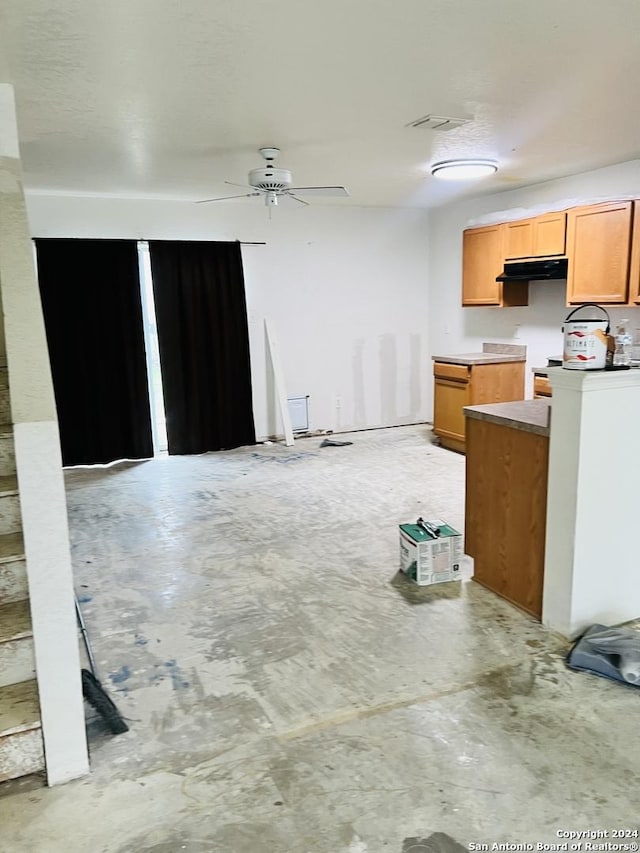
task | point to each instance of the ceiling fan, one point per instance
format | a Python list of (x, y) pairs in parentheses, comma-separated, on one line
[(274, 184)]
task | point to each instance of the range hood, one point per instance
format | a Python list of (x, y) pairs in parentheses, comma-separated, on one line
[(534, 270)]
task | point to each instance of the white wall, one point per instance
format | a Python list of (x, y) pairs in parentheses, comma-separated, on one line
[(39, 468), (345, 289), (455, 329)]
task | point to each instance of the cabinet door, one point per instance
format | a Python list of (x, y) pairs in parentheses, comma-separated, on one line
[(518, 239), (536, 238), (506, 510), (549, 233), (450, 397), (634, 277), (482, 261), (496, 383), (599, 249)]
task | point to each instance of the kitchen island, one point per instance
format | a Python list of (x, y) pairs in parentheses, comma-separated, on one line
[(507, 446)]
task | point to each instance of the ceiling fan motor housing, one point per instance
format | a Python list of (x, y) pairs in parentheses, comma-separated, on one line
[(270, 179)]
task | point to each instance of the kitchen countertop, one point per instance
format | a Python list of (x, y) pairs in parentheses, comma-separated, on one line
[(478, 358), (491, 354), (526, 415)]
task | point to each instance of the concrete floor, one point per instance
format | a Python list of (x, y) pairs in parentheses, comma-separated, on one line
[(288, 693)]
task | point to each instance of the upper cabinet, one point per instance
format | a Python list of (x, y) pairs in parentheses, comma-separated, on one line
[(634, 274), (602, 247), (549, 233), (482, 261), (599, 253), (538, 237)]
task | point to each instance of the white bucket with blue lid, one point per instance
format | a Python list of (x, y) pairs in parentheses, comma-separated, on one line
[(585, 340)]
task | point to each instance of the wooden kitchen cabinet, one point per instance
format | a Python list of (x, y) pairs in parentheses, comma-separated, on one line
[(482, 261), (541, 387), (601, 243), (540, 236), (460, 385), (518, 239), (599, 253), (634, 275), (505, 511), (451, 395)]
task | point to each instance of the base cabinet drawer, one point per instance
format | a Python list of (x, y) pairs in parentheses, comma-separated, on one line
[(541, 386), (456, 372)]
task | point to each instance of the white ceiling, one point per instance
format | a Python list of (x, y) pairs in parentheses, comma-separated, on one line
[(171, 97)]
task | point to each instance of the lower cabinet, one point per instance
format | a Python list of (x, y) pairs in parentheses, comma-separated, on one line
[(452, 392), (541, 387), (460, 385), (505, 511)]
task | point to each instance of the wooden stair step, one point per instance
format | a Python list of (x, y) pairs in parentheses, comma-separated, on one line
[(21, 746), (15, 621), (8, 485), (19, 708), (17, 661), (11, 547)]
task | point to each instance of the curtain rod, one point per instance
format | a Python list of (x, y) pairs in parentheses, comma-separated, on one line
[(145, 240)]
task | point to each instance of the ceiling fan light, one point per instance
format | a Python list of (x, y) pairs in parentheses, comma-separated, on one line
[(462, 170)]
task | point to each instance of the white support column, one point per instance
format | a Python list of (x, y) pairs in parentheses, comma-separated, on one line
[(591, 570), (40, 477)]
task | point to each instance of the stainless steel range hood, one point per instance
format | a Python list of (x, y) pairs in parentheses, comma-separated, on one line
[(534, 270)]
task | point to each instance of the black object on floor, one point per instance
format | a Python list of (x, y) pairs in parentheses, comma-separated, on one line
[(100, 701), (328, 442), (93, 691)]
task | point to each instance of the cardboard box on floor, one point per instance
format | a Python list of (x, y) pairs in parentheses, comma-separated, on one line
[(425, 560)]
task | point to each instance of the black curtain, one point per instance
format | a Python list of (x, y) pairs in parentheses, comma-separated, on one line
[(203, 338), (91, 302)]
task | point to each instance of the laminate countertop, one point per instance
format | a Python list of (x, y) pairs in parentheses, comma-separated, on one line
[(526, 415), (472, 358)]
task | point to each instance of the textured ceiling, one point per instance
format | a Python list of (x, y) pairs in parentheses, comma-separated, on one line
[(169, 98)]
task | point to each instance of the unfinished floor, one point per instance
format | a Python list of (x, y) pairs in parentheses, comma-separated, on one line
[(288, 693)]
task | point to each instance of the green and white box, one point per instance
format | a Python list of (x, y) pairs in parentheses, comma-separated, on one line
[(426, 560)]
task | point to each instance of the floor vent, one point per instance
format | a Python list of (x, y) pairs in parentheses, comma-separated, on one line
[(299, 413)]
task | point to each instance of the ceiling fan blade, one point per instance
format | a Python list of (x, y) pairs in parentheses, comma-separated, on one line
[(233, 184), (327, 192), (226, 198), (295, 198)]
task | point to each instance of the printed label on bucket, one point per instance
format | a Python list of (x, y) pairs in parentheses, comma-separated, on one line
[(585, 347)]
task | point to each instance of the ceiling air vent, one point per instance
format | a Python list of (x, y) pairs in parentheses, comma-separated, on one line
[(432, 122)]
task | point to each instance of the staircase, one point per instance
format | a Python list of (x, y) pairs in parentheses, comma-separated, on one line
[(21, 746)]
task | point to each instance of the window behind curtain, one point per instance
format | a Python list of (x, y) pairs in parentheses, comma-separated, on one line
[(92, 310), (203, 339)]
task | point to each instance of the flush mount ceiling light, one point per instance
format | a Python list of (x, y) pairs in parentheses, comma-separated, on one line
[(462, 170)]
